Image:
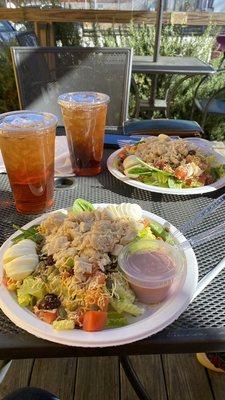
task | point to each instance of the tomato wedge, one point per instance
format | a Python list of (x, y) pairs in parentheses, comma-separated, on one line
[(181, 173), (94, 320), (47, 316)]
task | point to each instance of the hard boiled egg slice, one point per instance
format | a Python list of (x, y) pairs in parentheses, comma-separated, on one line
[(112, 210), (125, 210), (21, 267), (19, 249), (133, 210)]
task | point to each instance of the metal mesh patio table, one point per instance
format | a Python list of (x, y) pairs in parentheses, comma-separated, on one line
[(186, 67), (200, 328), (171, 65)]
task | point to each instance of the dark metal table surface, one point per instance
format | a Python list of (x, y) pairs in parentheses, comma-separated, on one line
[(171, 65), (200, 328), (188, 67)]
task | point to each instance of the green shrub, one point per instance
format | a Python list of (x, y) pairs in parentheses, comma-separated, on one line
[(8, 93), (67, 34)]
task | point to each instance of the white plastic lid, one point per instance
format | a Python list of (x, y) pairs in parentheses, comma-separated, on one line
[(83, 98), (26, 121)]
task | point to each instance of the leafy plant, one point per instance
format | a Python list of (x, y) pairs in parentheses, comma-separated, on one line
[(67, 34), (8, 93)]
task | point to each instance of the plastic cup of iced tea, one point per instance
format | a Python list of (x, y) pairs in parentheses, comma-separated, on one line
[(84, 115), (27, 142)]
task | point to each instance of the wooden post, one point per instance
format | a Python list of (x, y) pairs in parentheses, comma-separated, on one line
[(51, 38), (36, 30), (45, 33), (41, 32)]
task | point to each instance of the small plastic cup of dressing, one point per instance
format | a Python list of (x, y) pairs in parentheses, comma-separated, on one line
[(150, 267)]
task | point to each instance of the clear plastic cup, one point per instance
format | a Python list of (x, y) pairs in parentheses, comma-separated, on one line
[(27, 142), (150, 267), (84, 115)]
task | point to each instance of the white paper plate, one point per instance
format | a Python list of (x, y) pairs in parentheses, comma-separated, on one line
[(154, 320), (205, 145)]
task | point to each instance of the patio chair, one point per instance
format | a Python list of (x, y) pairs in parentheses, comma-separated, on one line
[(43, 73), (211, 105), (154, 127)]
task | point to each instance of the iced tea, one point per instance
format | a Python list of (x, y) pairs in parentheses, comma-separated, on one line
[(27, 142), (84, 115)]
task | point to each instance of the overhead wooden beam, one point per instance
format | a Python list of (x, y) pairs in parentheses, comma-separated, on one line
[(116, 16), (68, 15), (204, 18)]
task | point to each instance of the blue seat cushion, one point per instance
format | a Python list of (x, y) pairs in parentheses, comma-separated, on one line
[(175, 127)]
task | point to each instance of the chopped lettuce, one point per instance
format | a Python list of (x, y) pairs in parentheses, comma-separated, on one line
[(158, 179), (126, 306), (174, 183), (138, 170), (54, 284), (124, 292), (31, 287), (80, 205), (65, 324), (146, 233), (148, 174), (115, 320), (151, 168), (217, 172), (122, 297), (24, 300), (149, 177)]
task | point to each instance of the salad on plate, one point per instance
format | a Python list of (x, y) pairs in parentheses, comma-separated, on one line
[(162, 161), (65, 269)]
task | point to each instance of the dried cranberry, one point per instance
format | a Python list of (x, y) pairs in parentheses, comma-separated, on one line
[(49, 260), (49, 302), (71, 272)]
